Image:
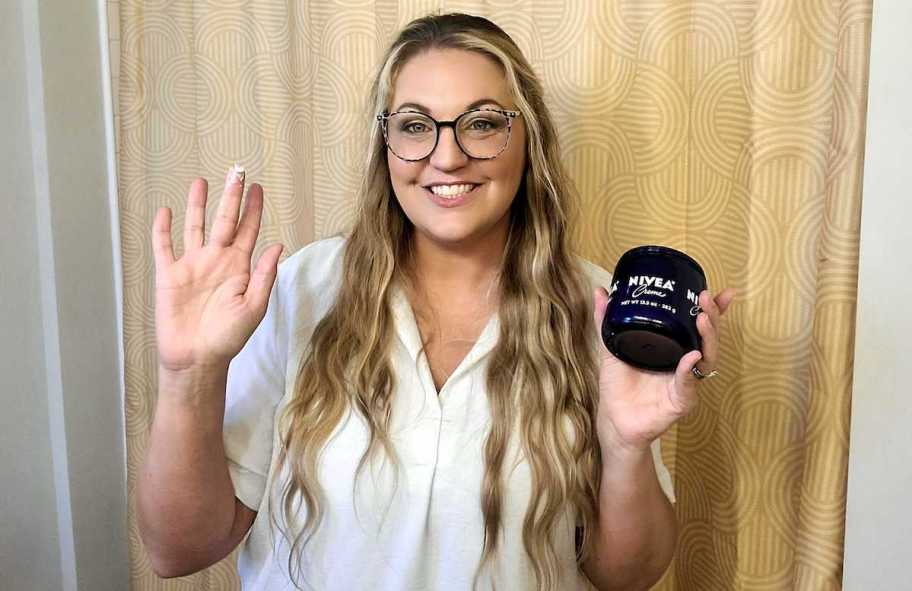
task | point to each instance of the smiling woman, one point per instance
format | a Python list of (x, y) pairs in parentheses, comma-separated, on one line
[(453, 198), (424, 402)]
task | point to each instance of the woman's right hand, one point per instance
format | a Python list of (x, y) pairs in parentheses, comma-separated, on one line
[(207, 303)]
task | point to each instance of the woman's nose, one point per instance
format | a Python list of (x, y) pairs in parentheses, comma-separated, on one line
[(448, 155)]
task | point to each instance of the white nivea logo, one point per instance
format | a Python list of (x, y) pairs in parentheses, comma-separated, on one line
[(649, 285)]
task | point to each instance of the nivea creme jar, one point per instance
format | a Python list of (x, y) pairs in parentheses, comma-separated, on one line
[(651, 321)]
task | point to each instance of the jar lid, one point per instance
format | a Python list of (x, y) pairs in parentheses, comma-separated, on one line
[(655, 249)]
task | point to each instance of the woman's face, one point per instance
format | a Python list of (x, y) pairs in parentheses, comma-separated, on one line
[(444, 83)]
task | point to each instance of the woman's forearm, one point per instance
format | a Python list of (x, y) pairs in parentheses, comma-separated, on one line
[(185, 498), (637, 529)]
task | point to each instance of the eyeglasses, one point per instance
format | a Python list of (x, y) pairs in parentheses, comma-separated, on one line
[(480, 133)]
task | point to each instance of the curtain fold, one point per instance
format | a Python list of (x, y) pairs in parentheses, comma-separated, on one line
[(731, 129)]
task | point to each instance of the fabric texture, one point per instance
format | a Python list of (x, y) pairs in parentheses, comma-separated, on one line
[(424, 531)]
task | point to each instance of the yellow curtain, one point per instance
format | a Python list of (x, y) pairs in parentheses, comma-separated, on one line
[(732, 129)]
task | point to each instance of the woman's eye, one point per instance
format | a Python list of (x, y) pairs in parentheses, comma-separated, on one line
[(415, 127), (484, 124)]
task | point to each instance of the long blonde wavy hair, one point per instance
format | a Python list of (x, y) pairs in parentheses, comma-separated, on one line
[(541, 375)]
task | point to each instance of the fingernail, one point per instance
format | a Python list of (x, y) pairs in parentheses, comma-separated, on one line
[(236, 174)]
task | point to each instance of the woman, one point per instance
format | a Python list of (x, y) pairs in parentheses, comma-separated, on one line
[(424, 403)]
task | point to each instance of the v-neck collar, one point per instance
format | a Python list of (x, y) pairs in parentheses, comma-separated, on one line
[(408, 333)]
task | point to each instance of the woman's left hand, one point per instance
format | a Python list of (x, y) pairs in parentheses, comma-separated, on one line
[(636, 406)]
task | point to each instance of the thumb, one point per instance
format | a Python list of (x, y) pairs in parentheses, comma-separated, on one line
[(263, 278), (684, 371), (684, 392)]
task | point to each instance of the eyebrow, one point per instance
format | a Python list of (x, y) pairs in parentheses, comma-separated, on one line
[(474, 105)]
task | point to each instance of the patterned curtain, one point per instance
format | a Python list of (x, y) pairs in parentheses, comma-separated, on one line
[(732, 129)]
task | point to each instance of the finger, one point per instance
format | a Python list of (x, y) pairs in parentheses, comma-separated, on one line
[(685, 389), (600, 299), (263, 278), (710, 346), (162, 249), (249, 228), (226, 218), (195, 220), (709, 307), (725, 298)]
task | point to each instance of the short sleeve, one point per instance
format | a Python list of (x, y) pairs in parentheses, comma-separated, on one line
[(256, 385), (599, 277)]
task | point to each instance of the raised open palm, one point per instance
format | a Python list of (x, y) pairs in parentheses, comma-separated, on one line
[(207, 303)]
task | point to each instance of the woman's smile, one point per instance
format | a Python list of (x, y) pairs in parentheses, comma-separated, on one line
[(453, 195)]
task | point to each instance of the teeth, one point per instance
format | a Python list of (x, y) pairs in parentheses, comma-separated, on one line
[(451, 190)]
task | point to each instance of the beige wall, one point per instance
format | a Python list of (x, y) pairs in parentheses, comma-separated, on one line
[(879, 514)]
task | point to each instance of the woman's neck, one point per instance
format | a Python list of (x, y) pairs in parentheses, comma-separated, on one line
[(455, 290), (468, 268)]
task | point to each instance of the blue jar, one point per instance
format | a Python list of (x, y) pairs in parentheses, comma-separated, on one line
[(651, 320)]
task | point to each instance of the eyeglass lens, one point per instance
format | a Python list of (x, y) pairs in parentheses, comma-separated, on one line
[(482, 134)]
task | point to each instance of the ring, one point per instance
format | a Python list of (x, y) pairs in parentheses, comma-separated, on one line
[(702, 376)]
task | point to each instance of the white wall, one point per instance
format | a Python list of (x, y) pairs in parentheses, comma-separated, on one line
[(63, 498), (25, 451), (878, 554)]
